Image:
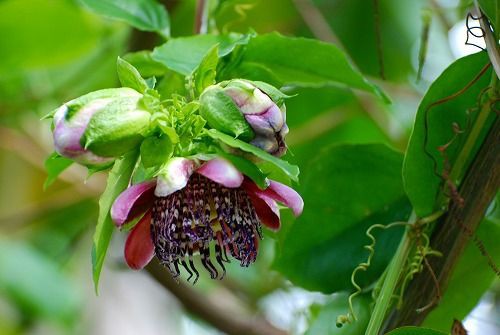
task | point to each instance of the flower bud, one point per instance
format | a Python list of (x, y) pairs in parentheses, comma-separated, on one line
[(96, 127), (266, 117)]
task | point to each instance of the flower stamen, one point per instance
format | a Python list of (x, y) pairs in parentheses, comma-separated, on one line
[(202, 214)]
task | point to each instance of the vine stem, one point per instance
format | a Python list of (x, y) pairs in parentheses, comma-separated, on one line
[(492, 48), (383, 302), (201, 18)]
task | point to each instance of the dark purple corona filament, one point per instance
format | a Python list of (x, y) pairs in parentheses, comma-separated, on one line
[(188, 221)]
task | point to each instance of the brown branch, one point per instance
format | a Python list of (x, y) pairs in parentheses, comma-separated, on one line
[(454, 230), (211, 309), (200, 21), (316, 22)]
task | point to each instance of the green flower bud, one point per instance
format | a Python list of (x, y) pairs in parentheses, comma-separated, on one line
[(98, 126)]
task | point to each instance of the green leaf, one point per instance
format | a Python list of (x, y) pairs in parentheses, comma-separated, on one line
[(472, 272), (145, 64), (36, 283), (415, 331), (40, 34), (221, 113), (291, 170), (204, 75), (299, 61), (118, 180), (346, 189), (156, 150), (422, 181), (129, 76), (492, 10), (248, 168), (55, 165), (325, 322), (184, 54), (147, 15)]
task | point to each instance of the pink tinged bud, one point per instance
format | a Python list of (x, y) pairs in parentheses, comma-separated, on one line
[(132, 202), (221, 171), (139, 248), (249, 98), (83, 126), (67, 133), (262, 114), (174, 176)]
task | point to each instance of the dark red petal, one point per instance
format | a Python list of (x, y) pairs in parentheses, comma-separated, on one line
[(139, 248), (267, 211)]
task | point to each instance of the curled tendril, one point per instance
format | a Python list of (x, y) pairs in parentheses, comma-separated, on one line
[(351, 315), (475, 31), (416, 263), (443, 174), (420, 256)]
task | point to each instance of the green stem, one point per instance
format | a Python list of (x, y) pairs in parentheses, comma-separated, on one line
[(394, 270), (460, 163)]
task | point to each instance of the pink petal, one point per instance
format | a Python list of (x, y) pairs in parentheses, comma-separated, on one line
[(139, 248), (267, 210), (286, 195), (221, 171), (278, 192), (174, 176), (133, 201)]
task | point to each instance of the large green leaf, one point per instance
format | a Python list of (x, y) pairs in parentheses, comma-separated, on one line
[(325, 323), (35, 283), (473, 271), (184, 54), (346, 189), (422, 182), (492, 10), (146, 15), (415, 331), (41, 34), (298, 61), (118, 181)]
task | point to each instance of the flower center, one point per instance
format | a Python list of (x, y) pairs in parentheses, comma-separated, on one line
[(187, 221)]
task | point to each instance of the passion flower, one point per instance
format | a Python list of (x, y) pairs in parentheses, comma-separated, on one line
[(191, 206)]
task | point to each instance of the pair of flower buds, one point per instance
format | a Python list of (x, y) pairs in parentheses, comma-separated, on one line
[(96, 128), (195, 206)]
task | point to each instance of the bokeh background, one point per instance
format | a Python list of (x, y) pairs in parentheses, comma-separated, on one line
[(54, 50)]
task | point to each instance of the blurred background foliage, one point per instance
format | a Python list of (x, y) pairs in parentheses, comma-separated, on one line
[(54, 50)]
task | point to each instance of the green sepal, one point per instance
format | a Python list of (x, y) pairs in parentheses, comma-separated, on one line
[(55, 164), (156, 150), (116, 129), (109, 93), (205, 73), (129, 76), (145, 64), (222, 114)]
